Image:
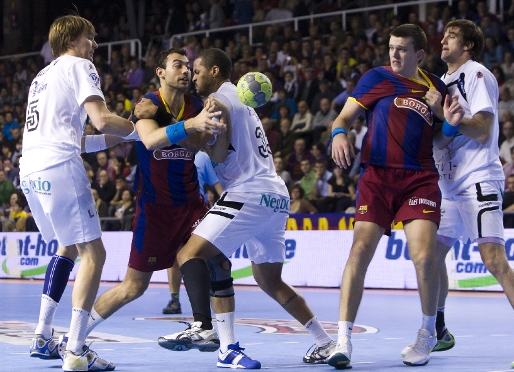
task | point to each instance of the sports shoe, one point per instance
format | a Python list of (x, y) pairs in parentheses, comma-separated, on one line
[(419, 353), (341, 355), (446, 342), (235, 358), (173, 307), (320, 353), (194, 337), (44, 349), (61, 345), (87, 361)]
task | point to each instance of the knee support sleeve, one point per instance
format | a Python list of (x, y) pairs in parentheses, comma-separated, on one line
[(221, 279)]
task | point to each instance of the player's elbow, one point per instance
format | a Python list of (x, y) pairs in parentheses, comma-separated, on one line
[(101, 122)]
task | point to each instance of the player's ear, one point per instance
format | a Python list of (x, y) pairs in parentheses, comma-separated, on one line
[(420, 54), (215, 71), (159, 71)]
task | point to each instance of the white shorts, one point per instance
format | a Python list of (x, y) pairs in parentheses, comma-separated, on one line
[(256, 220), (474, 213), (62, 204)]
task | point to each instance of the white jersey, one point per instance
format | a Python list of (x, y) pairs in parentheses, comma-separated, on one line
[(55, 112), (249, 166), (465, 161)]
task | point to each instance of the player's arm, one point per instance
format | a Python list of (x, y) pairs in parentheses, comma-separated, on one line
[(342, 149), (218, 151), (99, 142), (453, 114), (107, 122), (155, 137), (479, 127)]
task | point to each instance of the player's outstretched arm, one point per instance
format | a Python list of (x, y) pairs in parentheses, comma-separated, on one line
[(342, 149), (107, 122)]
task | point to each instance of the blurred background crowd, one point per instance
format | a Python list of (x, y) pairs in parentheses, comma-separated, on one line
[(313, 64)]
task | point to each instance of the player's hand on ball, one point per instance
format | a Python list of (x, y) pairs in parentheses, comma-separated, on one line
[(453, 111), (145, 109)]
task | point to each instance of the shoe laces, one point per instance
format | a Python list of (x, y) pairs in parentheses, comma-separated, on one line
[(235, 347), (421, 345)]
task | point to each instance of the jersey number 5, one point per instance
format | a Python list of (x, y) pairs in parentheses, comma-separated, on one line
[(33, 116), (264, 149)]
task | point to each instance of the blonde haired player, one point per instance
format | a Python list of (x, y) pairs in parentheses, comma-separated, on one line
[(54, 181)]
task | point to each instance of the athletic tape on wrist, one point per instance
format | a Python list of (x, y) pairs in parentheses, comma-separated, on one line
[(337, 131), (133, 135), (94, 143), (449, 130), (176, 132)]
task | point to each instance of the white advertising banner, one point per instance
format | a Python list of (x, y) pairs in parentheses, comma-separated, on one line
[(313, 258)]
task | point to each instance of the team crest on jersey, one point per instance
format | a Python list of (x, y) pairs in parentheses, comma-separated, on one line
[(174, 154), (363, 209), (95, 79), (479, 74), (152, 261), (415, 105), (36, 88)]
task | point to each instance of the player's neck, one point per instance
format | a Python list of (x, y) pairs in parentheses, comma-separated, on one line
[(454, 66), (174, 100)]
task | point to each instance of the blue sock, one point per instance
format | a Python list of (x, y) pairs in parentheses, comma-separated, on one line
[(57, 275)]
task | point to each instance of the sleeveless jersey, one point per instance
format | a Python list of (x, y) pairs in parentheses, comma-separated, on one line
[(464, 161), (249, 166), (400, 123), (168, 176), (55, 112)]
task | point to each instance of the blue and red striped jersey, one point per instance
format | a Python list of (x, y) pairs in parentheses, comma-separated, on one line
[(168, 176), (400, 123)]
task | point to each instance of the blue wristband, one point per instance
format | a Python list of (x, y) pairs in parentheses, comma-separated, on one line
[(176, 132), (337, 131), (449, 130)]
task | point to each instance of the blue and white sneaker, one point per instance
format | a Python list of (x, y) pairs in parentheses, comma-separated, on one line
[(87, 361), (44, 349), (235, 358), (194, 337)]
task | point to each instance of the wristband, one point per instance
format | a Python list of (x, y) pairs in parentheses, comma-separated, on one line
[(449, 130), (132, 136), (176, 132), (94, 143), (339, 130)]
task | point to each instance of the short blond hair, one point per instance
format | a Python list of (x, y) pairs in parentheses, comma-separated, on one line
[(66, 29)]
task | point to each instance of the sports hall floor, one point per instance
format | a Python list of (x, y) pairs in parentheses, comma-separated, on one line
[(483, 324)]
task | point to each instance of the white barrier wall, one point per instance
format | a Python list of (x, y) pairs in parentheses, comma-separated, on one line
[(313, 258)]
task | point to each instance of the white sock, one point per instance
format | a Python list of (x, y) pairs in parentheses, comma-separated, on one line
[(93, 320), (344, 329), (77, 334), (46, 316), (317, 331), (225, 324), (440, 309), (428, 323)]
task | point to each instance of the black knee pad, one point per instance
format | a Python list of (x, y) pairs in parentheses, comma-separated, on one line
[(221, 279)]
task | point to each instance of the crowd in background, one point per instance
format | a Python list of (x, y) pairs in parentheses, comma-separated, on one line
[(313, 70)]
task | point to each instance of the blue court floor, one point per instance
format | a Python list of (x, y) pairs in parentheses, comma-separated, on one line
[(483, 325)]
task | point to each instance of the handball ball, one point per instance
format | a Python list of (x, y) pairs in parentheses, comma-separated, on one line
[(254, 89)]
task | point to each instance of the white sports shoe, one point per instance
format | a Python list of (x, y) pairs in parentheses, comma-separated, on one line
[(87, 361), (419, 353), (194, 337), (341, 355)]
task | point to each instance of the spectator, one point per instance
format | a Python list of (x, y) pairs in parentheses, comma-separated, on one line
[(360, 131), (279, 13), (10, 123), (299, 204), (12, 173), (323, 119), (506, 104), (324, 92), (243, 12), (281, 172), (508, 203), (308, 180), (103, 164), (342, 190), (105, 187), (290, 85), (216, 15), (339, 101), (6, 189), (284, 143), (119, 109), (319, 153), (134, 76), (295, 158), (493, 53), (320, 195), (101, 206), (508, 168), (302, 120), (508, 132), (308, 87), (271, 134), (283, 100)]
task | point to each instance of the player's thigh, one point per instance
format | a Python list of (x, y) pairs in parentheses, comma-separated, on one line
[(452, 224), (65, 196), (238, 218), (481, 211), (43, 223)]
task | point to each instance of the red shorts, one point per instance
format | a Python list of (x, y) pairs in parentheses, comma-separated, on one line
[(159, 231), (385, 195)]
